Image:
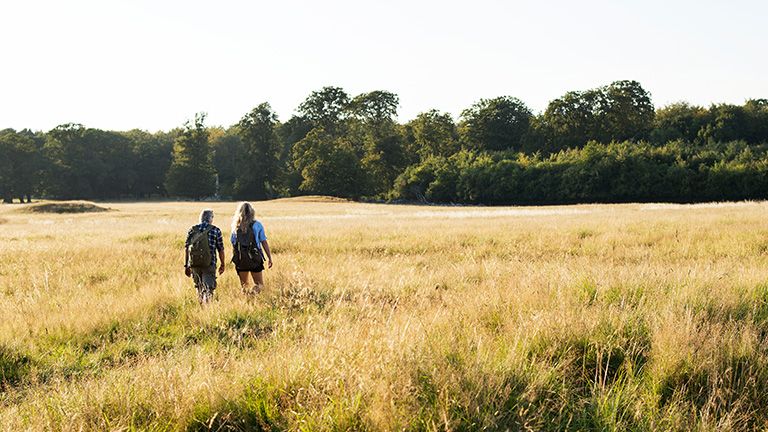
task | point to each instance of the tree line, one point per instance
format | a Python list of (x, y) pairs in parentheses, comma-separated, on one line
[(608, 144)]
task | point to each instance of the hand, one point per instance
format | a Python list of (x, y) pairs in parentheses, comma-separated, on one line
[(269, 263), (221, 269), (188, 271)]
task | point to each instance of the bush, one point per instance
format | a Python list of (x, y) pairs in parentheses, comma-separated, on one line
[(615, 172)]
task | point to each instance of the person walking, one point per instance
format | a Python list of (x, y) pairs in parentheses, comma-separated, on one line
[(249, 243), (203, 242)]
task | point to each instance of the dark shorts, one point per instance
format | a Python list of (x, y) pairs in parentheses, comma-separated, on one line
[(258, 268)]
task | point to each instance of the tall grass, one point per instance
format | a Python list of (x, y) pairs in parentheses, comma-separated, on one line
[(375, 317)]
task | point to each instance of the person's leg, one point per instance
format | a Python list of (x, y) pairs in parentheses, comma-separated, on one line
[(258, 281), (243, 280), (209, 282), (197, 277)]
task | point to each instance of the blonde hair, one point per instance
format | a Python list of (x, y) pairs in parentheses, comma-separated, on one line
[(244, 217)]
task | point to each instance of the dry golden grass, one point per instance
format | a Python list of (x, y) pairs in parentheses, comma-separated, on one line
[(389, 317)]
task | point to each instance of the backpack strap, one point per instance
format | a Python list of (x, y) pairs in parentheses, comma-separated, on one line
[(249, 234), (199, 234), (194, 239)]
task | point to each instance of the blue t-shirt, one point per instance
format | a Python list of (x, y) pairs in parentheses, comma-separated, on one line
[(258, 234)]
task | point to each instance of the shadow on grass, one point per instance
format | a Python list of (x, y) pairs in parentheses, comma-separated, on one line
[(735, 386), (165, 327), (256, 409), (14, 367), (599, 357)]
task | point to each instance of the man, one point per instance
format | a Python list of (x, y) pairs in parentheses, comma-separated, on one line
[(199, 260)]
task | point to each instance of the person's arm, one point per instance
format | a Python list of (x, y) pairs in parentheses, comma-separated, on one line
[(265, 245), (220, 248), (261, 237), (187, 270), (221, 257)]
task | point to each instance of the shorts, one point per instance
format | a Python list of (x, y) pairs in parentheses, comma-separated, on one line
[(256, 269)]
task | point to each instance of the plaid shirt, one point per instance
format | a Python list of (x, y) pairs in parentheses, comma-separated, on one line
[(215, 240)]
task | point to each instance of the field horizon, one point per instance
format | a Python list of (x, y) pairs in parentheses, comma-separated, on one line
[(389, 317)]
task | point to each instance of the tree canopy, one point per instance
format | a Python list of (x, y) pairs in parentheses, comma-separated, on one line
[(603, 144), (191, 173)]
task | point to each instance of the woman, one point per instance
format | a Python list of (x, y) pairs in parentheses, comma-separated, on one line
[(248, 239)]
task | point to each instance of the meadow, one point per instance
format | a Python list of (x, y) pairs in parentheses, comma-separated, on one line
[(390, 317)]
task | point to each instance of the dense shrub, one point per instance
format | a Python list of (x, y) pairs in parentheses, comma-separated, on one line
[(615, 172)]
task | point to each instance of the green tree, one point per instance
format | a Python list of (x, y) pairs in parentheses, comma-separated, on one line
[(380, 141), (326, 108), (6, 166), (678, 121), (289, 133), (258, 167), (329, 165), (432, 133), (227, 155), (114, 165), (21, 165), (620, 111), (152, 158), (375, 107), (573, 119), (495, 124), (331, 152), (93, 163), (88, 163), (191, 173), (537, 139), (756, 111), (70, 166), (726, 123), (628, 112)]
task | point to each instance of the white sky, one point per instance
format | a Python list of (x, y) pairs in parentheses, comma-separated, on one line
[(152, 64)]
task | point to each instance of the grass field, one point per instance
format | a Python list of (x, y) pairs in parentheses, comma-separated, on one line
[(384, 317)]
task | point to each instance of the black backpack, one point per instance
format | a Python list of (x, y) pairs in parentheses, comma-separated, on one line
[(247, 254)]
